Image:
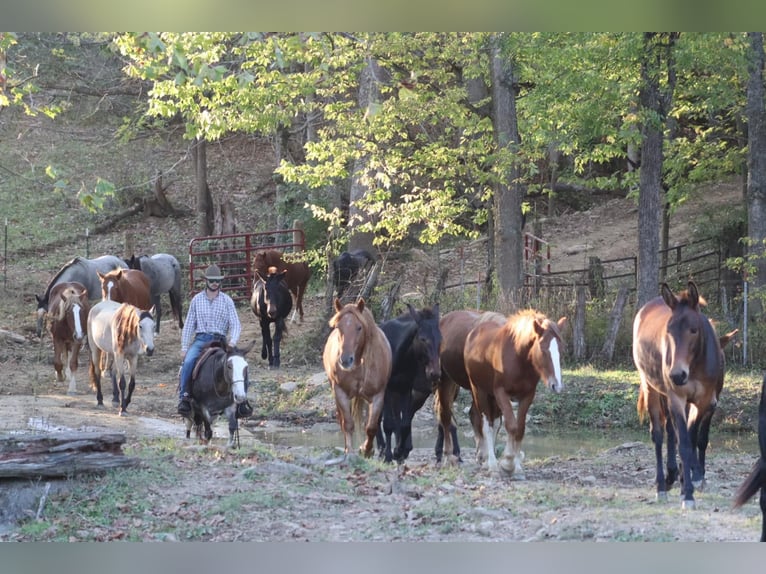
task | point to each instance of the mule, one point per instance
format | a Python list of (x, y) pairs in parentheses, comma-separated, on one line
[(415, 340), (297, 277), (117, 334), (271, 303), (67, 323), (756, 480), (347, 266), (454, 328), (357, 360), (164, 274), (504, 363), (219, 384), (126, 286), (78, 270), (680, 363)]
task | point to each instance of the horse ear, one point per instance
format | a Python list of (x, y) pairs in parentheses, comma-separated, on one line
[(668, 296), (435, 309), (153, 312), (723, 340), (539, 328), (360, 304), (561, 322), (338, 305), (413, 312), (101, 275), (694, 296)]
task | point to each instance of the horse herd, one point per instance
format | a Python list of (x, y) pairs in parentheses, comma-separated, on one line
[(395, 365)]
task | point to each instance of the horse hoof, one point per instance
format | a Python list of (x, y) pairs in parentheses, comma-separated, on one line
[(699, 485), (123, 413), (115, 403), (688, 505), (662, 496)]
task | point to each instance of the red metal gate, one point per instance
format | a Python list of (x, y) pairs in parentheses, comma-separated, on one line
[(234, 255)]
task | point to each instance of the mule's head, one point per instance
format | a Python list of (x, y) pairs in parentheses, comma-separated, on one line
[(429, 339), (549, 345), (683, 333), (146, 331), (236, 374)]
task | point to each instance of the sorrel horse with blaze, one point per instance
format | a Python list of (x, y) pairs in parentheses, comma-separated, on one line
[(357, 360), (680, 362), (127, 286), (68, 325), (504, 363)]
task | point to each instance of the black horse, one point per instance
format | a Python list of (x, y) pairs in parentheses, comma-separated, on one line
[(415, 340), (271, 302), (219, 385), (757, 478), (347, 266)]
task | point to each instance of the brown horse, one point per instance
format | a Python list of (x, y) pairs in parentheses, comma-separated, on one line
[(297, 278), (454, 327), (504, 363), (68, 325), (680, 363), (127, 286), (357, 360)]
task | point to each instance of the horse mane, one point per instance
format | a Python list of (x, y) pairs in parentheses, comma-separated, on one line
[(74, 261), (68, 298), (521, 325), (126, 321)]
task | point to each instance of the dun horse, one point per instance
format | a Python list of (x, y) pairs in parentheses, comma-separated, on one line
[(680, 363), (357, 360), (219, 384), (164, 274), (297, 277), (504, 363), (68, 321), (117, 334)]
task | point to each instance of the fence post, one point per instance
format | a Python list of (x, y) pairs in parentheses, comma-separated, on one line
[(615, 318), (578, 326)]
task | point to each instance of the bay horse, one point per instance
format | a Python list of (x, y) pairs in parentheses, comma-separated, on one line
[(680, 363), (357, 360), (117, 334), (67, 323), (164, 274), (415, 340), (756, 480), (219, 384), (271, 303), (126, 286), (454, 327), (80, 270), (347, 266), (505, 363), (297, 277)]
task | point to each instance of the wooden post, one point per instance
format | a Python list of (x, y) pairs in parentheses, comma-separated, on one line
[(130, 244), (578, 326), (298, 237), (596, 278), (615, 317)]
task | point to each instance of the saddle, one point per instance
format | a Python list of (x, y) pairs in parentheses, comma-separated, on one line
[(212, 348)]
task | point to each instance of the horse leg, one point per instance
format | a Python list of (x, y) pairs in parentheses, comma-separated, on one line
[(388, 424), (157, 304), (73, 364), (376, 407), (278, 329), (671, 465), (515, 426), (678, 412), (343, 406), (700, 439), (415, 402), (126, 399), (175, 305), (59, 359), (94, 373), (266, 349), (232, 427), (443, 398)]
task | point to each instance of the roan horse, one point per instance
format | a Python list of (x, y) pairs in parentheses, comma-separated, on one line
[(454, 327), (347, 266), (164, 273), (680, 363), (505, 363), (415, 340), (82, 271), (68, 322), (271, 303), (297, 278), (126, 286), (756, 480), (218, 386), (357, 360), (117, 334)]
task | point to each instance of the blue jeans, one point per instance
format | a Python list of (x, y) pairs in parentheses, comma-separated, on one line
[(200, 341)]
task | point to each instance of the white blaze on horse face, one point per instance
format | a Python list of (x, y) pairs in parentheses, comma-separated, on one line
[(556, 385), (109, 290), (238, 370), (77, 323)]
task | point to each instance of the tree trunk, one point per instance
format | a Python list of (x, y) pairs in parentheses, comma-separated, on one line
[(508, 192), (205, 207), (615, 318), (369, 96), (655, 102), (756, 161)]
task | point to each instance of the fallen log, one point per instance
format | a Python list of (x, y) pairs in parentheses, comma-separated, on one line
[(11, 336), (61, 454)]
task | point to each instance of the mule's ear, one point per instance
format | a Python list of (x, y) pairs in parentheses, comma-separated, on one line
[(724, 339), (668, 296), (694, 296), (561, 322), (338, 305), (246, 350)]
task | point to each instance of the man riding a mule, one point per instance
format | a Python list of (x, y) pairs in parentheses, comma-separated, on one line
[(212, 317)]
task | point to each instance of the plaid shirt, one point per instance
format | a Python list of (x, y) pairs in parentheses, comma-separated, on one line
[(217, 317)]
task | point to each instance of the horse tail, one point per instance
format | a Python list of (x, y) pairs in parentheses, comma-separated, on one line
[(641, 406), (757, 478)]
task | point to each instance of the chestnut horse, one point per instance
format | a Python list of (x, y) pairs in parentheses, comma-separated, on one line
[(454, 327), (504, 363), (680, 363), (68, 322), (127, 286), (357, 360), (297, 278)]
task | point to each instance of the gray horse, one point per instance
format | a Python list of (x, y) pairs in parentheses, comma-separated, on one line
[(80, 270), (164, 273)]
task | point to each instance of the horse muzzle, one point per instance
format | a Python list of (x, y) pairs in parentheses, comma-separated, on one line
[(680, 378), (149, 351), (555, 385), (346, 362)]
